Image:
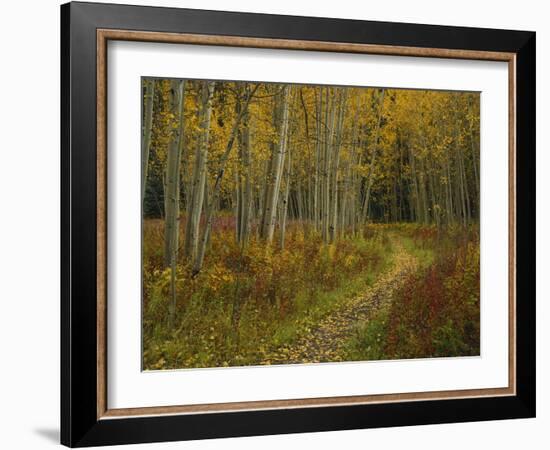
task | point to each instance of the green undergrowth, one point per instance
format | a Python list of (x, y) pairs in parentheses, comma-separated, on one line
[(311, 313), (435, 313), (246, 303)]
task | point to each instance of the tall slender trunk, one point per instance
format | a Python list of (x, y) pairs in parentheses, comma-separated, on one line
[(348, 208), (284, 203), (418, 214), (449, 186), (459, 201), (172, 176), (237, 204), (277, 160), (239, 179), (335, 166), (327, 169), (171, 223), (247, 174), (299, 201), (318, 109), (475, 159), (466, 189), (199, 259), (423, 193), (365, 209), (147, 129), (194, 208)]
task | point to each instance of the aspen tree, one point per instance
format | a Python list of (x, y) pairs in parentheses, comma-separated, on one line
[(336, 164), (369, 180), (199, 259), (284, 203), (199, 185), (146, 136), (276, 166), (171, 229), (171, 226)]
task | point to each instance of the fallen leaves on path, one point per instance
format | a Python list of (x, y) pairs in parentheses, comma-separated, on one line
[(325, 342)]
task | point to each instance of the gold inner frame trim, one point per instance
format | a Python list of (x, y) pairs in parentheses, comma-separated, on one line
[(103, 36)]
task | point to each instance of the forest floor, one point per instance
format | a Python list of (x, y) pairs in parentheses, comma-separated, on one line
[(327, 341)]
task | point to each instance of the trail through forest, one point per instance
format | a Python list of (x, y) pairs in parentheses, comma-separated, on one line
[(282, 222), (326, 342)]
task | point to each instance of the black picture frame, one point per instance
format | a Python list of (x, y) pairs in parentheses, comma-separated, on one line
[(80, 425)]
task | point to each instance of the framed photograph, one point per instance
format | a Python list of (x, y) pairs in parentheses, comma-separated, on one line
[(277, 224)]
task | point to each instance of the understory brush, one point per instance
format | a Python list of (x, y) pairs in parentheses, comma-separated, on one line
[(246, 301), (435, 312)]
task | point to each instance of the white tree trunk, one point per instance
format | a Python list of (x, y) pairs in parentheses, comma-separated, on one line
[(284, 205), (198, 185), (373, 159), (272, 197), (146, 137), (199, 259), (335, 166), (171, 227), (171, 222)]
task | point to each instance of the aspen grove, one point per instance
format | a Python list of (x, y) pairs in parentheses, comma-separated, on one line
[(291, 223)]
